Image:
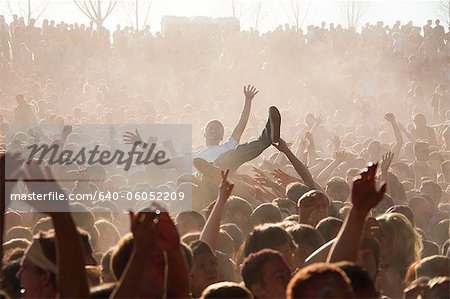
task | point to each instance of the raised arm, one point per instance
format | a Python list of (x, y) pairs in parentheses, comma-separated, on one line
[(72, 282), (210, 233), (323, 176), (249, 93), (301, 169), (365, 196), (398, 134)]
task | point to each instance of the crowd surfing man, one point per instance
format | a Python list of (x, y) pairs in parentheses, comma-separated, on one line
[(344, 205)]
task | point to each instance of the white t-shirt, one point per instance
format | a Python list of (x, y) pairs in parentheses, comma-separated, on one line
[(211, 153)]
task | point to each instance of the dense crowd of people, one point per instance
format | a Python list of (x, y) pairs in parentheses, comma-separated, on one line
[(331, 179)]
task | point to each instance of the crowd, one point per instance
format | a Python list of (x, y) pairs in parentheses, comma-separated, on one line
[(331, 179)]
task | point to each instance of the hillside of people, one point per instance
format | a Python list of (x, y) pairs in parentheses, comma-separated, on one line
[(318, 161)]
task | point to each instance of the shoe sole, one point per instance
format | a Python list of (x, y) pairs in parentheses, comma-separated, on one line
[(275, 121)]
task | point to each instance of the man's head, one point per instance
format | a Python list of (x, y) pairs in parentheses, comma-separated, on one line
[(189, 222), (154, 269), (307, 238), (338, 189), (320, 280), (205, 269), (421, 151), (237, 211), (38, 268), (226, 289), (419, 120), (295, 190), (362, 284), (266, 274), (317, 203), (214, 132), (266, 213), (433, 190)]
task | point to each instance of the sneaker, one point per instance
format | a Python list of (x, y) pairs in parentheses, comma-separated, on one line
[(275, 122)]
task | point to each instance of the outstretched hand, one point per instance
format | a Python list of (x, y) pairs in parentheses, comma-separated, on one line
[(386, 162), (225, 186), (143, 227), (389, 117), (250, 92), (132, 138), (365, 196), (282, 146)]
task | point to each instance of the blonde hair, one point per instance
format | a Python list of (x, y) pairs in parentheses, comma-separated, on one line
[(406, 242)]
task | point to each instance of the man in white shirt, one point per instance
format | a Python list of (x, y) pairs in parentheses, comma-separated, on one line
[(229, 154)]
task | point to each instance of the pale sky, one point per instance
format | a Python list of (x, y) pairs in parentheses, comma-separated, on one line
[(274, 11)]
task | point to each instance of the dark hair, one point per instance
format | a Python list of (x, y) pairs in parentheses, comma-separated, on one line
[(329, 227), (305, 234), (362, 284), (9, 280), (339, 186), (19, 232), (266, 236), (296, 190), (429, 248), (266, 213), (253, 265), (300, 284), (121, 255), (198, 218), (225, 290), (239, 205), (433, 266), (404, 210), (200, 247)]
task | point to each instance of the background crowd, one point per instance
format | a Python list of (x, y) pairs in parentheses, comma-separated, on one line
[(293, 213)]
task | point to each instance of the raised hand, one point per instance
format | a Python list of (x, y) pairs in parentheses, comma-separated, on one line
[(282, 146), (336, 142), (225, 186), (250, 92), (262, 178), (389, 117), (143, 227), (132, 138), (340, 156), (365, 196), (283, 178), (386, 162), (168, 238), (320, 119)]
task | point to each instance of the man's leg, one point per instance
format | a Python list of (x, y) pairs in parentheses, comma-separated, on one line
[(233, 159)]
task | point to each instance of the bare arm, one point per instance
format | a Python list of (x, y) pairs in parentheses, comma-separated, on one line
[(249, 93), (364, 198), (325, 174), (301, 169), (398, 134), (72, 282), (210, 233), (71, 273)]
